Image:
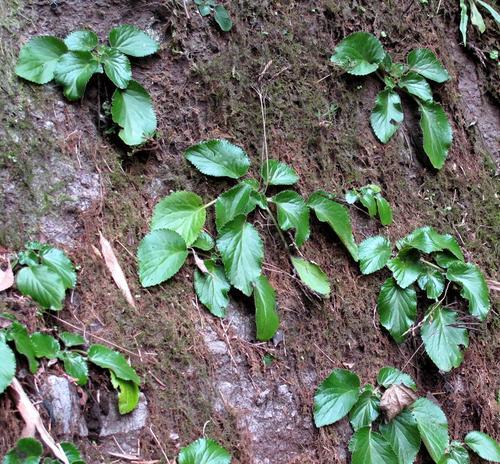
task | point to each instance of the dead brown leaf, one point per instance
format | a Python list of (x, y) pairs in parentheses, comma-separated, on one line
[(6, 278), (395, 399)]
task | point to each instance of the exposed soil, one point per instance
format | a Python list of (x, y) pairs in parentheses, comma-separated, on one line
[(64, 180)]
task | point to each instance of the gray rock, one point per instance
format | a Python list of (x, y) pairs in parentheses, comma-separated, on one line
[(114, 423)]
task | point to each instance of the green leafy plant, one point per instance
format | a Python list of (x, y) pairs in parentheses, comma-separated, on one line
[(74, 60), (204, 451), (235, 258), (409, 421), (371, 198), (361, 53), (30, 451), (221, 16), (475, 16), (434, 262)]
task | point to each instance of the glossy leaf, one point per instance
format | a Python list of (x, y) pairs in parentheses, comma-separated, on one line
[(367, 199), (436, 131), (73, 72), (366, 409), (71, 339), (19, 335), (7, 365), (132, 41), (388, 376), (457, 454), (212, 288), (374, 253), (232, 203), (72, 453), (222, 18), (384, 210), (75, 366), (277, 173), (57, 261), (444, 259), (293, 213), (204, 241), (483, 445), (427, 240), (406, 267), (425, 63), (128, 394), (432, 281), (45, 346), (266, 315), (114, 361), (204, 451), (416, 85), (26, 451), (386, 115), (81, 41), (312, 276), (117, 67), (369, 447), (403, 436)]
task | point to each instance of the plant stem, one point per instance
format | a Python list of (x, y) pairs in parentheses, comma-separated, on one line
[(434, 266), (275, 222), (210, 203)]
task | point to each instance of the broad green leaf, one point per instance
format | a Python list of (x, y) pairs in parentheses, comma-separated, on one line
[(432, 425), (335, 397), (73, 72), (45, 346), (384, 210), (293, 213), (367, 199), (403, 436), (369, 447), (57, 261), (117, 67), (204, 451), (476, 18), (359, 53), (218, 158), (7, 365), (19, 335), (397, 308), (160, 255), (276, 173), (242, 253), (337, 217), (444, 259), (474, 287), (416, 85), (114, 361), (432, 281), (182, 212), (128, 394), (132, 109), (457, 454), (232, 203), (71, 339), (490, 10), (442, 339), (132, 41), (75, 366), (81, 41), (72, 453), (436, 131), (366, 409), (26, 451), (406, 267), (485, 446), (425, 63), (212, 288), (204, 241), (312, 276), (373, 254), (266, 315), (222, 18), (259, 199), (38, 59), (464, 19), (386, 115), (388, 376)]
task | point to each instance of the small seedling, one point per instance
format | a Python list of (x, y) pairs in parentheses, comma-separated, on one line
[(221, 16), (235, 258), (30, 451), (435, 263), (204, 451), (362, 53), (74, 60), (475, 16), (371, 198)]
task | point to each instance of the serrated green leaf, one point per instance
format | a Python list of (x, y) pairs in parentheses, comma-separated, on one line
[(242, 253), (75, 366), (218, 158), (416, 85), (26, 451), (38, 59), (384, 210), (182, 212), (432, 425), (403, 436), (117, 67), (45, 346), (369, 447), (222, 18), (293, 213), (485, 446), (335, 397), (57, 261), (386, 115), (132, 109), (71, 339), (81, 41), (128, 394), (388, 376), (106, 358), (19, 334), (474, 287), (457, 454), (373, 254), (132, 41), (259, 199), (72, 453), (425, 63), (204, 451), (337, 217), (490, 10), (232, 203), (7, 365), (436, 131), (204, 241), (212, 288), (442, 339), (359, 53), (432, 281), (406, 267), (397, 308), (73, 72), (444, 259), (312, 276), (266, 315), (274, 172), (366, 409)]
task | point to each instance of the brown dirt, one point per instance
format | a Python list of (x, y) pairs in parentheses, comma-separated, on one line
[(204, 85)]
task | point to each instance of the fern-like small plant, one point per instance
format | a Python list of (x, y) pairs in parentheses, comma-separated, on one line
[(371, 198), (476, 17), (361, 53), (74, 60)]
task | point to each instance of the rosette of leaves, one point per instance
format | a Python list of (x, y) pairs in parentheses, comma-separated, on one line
[(204, 450), (221, 16), (233, 259), (371, 198), (361, 53), (426, 263), (30, 451), (398, 439), (470, 8), (74, 60)]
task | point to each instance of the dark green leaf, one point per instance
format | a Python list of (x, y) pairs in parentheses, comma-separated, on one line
[(73, 72), (7, 365), (373, 254), (386, 115), (114, 361), (312, 276), (72, 453), (403, 436), (45, 345), (266, 315), (444, 259), (436, 131), (43, 285), (388, 376), (212, 288), (457, 454), (132, 41), (204, 241), (432, 281), (57, 261), (425, 63), (71, 339), (276, 173), (117, 67), (19, 334), (81, 41), (232, 203), (406, 267), (427, 240), (366, 409), (222, 18), (416, 85), (204, 451), (293, 213), (26, 451), (369, 447), (128, 394), (367, 199), (485, 446), (75, 366), (384, 210)]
